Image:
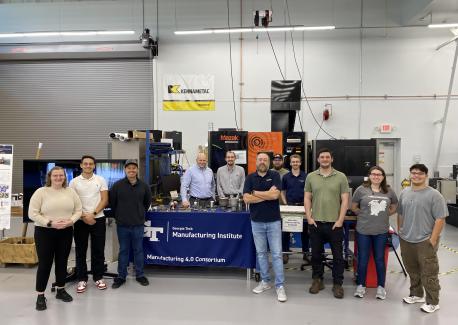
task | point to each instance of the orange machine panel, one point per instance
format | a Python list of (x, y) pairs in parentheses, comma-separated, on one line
[(263, 141)]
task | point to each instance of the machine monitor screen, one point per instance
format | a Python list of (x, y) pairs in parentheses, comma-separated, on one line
[(34, 175)]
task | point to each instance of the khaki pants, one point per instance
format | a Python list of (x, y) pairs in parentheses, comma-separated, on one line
[(420, 260)]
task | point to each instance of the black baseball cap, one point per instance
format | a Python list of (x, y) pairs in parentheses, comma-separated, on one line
[(130, 162), (278, 156)]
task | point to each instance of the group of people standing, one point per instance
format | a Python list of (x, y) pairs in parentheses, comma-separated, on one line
[(325, 193), (63, 211), (198, 182)]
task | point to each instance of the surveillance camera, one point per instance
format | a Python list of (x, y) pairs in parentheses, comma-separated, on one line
[(146, 43), (146, 39)]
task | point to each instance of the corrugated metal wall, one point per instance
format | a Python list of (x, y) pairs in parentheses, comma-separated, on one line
[(71, 106)]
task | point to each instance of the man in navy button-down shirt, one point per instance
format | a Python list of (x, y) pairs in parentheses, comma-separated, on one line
[(293, 194), (198, 182)]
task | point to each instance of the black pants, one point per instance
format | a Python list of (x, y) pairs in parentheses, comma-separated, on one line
[(320, 235), (52, 244), (304, 239), (97, 232)]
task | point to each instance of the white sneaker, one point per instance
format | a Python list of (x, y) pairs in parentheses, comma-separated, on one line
[(429, 308), (360, 291), (81, 287), (281, 294), (381, 293), (413, 299), (262, 286), (100, 284)]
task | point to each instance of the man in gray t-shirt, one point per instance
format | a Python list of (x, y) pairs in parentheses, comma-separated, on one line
[(419, 210), (421, 217)]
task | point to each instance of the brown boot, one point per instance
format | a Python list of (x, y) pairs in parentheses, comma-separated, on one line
[(316, 286), (338, 291)]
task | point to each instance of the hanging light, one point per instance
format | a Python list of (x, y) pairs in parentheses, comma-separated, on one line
[(451, 25), (252, 30), (68, 33)]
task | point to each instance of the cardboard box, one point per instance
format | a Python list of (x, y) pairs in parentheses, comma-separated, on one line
[(154, 135), (16, 212), (138, 135), (18, 250)]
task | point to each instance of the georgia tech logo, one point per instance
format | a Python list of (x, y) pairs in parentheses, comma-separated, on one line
[(151, 232), (173, 89)]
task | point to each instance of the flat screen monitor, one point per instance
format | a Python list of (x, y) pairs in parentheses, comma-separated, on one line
[(34, 175), (285, 95)]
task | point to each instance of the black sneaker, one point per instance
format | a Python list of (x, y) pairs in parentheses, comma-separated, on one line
[(118, 282), (142, 280), (285, 258), (63, 295), (41, 303), (306, 258)]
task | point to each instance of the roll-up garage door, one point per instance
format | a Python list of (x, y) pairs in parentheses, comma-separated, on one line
[(71, 106)]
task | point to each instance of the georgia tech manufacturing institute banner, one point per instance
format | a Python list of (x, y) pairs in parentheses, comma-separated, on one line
[(188, 93), (199, 239)]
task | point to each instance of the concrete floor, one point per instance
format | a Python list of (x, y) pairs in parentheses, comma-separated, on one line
[(223, 296)]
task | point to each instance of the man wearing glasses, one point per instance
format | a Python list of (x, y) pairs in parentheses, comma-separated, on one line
[(421, 215)]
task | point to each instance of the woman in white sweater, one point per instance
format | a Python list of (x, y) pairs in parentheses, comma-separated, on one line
[(54, 208)]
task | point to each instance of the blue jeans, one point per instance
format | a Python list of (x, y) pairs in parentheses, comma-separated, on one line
[(263, 233), (130, 238), (377, 244)]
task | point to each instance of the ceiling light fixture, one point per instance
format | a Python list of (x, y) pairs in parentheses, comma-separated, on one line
[(443, 25), (69, 33), (252, 30)]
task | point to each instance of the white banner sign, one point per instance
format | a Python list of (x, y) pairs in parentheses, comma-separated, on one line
[(188, 93), (292, 223), (6, 178)]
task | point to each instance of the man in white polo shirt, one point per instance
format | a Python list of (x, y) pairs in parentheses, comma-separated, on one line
[(93, 192)]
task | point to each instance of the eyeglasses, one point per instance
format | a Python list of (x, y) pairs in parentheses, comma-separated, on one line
[(376, 174), (417, 173)]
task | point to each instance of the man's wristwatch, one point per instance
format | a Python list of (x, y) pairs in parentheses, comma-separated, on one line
[(49, 224)]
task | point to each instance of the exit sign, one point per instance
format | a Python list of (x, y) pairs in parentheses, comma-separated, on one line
[(386, 128)]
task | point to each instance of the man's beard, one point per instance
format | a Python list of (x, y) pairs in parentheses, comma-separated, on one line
[(261, 168)]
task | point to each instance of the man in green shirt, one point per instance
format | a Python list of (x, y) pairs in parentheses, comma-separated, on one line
[(326, 203)]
